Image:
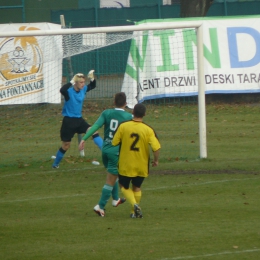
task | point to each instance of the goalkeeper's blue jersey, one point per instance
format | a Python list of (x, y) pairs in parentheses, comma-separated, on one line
[(111, 119), (73, 106)]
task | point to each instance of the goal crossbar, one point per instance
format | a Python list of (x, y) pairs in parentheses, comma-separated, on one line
[(110, 29)]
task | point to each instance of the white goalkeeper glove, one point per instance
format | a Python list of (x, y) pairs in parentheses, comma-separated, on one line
[(76, 77), (91, 75)]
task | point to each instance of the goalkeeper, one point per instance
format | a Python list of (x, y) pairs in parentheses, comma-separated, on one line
[(74, 94), (110, 119)]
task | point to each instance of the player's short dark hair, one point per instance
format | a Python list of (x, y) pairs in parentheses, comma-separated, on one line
[(139, 110), (120, 99)]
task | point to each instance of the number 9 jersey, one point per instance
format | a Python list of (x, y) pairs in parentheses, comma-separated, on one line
[(111, 119)]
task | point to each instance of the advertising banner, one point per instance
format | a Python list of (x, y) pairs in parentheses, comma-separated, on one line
[(164, 63), (115, 4), (30, 67)]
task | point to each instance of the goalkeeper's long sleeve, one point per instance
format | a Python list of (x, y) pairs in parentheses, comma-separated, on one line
[(64, 91), (90, 132), (91, 85)]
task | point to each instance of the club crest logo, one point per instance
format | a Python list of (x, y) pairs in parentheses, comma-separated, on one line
[(21, 66)]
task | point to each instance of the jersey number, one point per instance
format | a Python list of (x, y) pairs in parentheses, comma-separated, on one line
[(136, 139), (113, 126)]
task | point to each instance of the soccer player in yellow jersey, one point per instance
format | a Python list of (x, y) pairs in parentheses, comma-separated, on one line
[(135, 139)]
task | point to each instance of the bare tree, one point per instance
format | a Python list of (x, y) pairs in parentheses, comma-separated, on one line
[(194, 8)]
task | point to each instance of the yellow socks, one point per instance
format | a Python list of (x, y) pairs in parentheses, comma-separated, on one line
[(129, 195), (138, 195), (132, 197)]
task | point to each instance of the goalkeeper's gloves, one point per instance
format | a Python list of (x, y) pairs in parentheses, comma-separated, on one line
[(91, 75), (76, 77)]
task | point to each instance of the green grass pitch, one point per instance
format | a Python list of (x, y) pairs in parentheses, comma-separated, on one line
[(193, 208)]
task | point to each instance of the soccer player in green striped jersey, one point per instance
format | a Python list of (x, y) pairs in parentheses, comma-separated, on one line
[(135, 139), (110, 119)]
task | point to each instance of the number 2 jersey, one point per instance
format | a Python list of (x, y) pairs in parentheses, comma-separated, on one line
[(135, 139), (111, 119)]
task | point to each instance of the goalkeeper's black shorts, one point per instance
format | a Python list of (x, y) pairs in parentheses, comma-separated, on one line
[(71, 126)]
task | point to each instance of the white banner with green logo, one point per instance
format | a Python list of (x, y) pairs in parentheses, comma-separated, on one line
[(164, 63)]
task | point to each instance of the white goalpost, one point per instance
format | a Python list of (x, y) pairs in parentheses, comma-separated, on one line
[(50, 46), (70, 70)]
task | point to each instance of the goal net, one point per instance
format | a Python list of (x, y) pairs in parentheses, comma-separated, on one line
[(153, 63)]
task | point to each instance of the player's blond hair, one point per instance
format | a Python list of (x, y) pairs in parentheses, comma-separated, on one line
[(79, 76)]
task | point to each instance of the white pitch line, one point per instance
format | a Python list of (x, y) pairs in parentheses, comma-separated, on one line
[(52, 171), (197, 184), (155, 188), (216, 254), (44, 198)]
